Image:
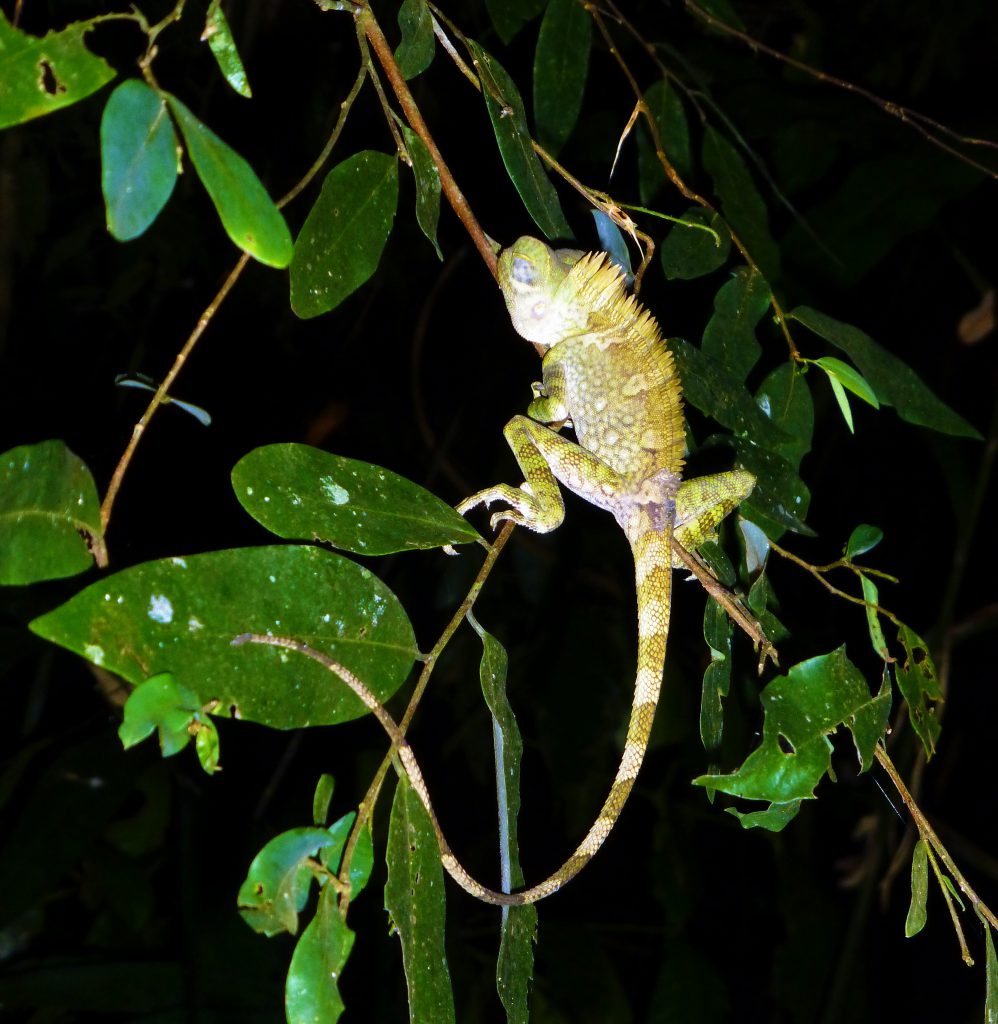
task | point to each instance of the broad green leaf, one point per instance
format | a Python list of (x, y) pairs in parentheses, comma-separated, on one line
[(780, 498), (415, 52), (848, 378), (690, 252), (509, 16), (560, 66), (729, 336), (872, 596), (321, 799), (919, 685), (991, 975), (864, 538), (42, 74), (180, 615), (709, 385), (223, 46), (278, 881), (49, 514), (519, 924), (340, 243), (717, 631), (303, 493), (311, 992), (741, 203), (248, 214), (505, 107), (415, 901), (894, 382), (161, 704), (427, 186), (802, 708), (138, 158), (785, 397), (667, 109), (915, 921)]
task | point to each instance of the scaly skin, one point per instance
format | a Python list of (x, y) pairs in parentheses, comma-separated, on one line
[(607, 371)]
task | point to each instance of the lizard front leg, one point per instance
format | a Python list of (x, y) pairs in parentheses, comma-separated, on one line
[(545, 458)]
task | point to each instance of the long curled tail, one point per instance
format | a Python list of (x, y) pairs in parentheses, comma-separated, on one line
[(653, 573)]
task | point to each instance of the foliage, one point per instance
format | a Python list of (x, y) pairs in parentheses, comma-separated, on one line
[(792, 211)]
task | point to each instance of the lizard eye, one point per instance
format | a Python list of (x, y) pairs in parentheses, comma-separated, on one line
[(538, 310), (524, 272)]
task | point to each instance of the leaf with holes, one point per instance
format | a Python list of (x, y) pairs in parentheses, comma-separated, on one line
[(42, 74), (919, 685)]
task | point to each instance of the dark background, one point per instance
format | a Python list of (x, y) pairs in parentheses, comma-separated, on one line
[(683, 917)]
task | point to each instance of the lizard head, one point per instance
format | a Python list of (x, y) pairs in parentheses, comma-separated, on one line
[(530, 276)]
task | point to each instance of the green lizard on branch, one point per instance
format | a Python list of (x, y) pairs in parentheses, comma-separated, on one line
[(608, 373)]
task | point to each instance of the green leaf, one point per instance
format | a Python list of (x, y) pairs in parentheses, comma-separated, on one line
[(340, 243), (843, 402), (775, 818), (223, 46), (991, 974), (560, 66), (717, 631), (515, 967), (47, 500), (915, 921), (505, 107), (741, 203), (894, 382), (864, 538), (362, 862), (415, 53), (278, 881), (206, 744), (39, 75), (180, 615), (321, 799), (780, 498), (785, 397), (729, 336), (613, 243), (415, 901), (872, 596), (303, 493), (427, 186), (709, 385), (690, 252), (509, 16), (919, 685), (954, 892), (248, 214), (311, 993), (802, 708), (138, 158), (667, 109), (161, 704), (848, 378)]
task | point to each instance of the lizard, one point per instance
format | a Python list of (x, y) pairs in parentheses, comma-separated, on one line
[(608, 374)]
